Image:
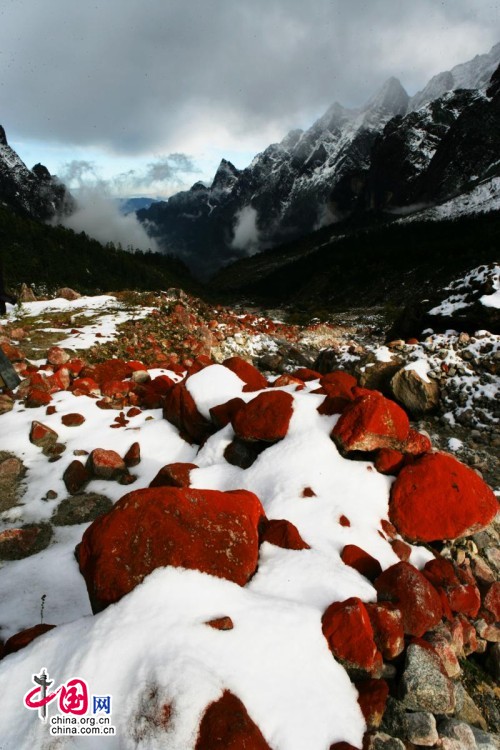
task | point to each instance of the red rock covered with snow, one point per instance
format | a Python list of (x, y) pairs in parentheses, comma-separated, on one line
[(437, 497), (255, 380), (207, 530), (371, 422), (226, 725)]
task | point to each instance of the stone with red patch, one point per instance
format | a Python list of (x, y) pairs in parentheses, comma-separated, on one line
[(283, 534), (75, 366), (442, 642), (389, 461), (226, 725), (491, 601), (133, 456), (42, 436), (437, 497), (287, 379), (85, 387), (57, 356), (24, 638), (387, 624), (266, 417), (12, 353), (372, 699), (198, 365), (461, 594), (76, 477), (174, 475), (59, 381), (417, 599), (255, 380), (416, 444), (369, 423), (106, 464), (348, 630), (222, 414), (72, 420), (361, 561), (469, 635), (27, 540), (111, 369), (214, 532), (116, 389), (36, 397), (180, 410)]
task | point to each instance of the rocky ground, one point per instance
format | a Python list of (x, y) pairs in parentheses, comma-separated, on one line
[(438, 687)]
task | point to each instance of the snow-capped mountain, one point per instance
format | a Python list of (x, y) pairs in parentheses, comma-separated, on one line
[(32, 191), (395, 153)]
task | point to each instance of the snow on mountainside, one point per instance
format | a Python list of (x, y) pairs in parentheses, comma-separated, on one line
[(392, 153), (33, 191), (474, 74)]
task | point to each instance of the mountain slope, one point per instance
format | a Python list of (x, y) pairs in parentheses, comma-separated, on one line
[(381, 156), (31, 191)]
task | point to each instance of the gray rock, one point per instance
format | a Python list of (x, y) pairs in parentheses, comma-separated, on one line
[(382, 741), (466, 710), (459, 731), (394, 719), (80, 509), (421, 728), (423, 685), (416, 394), (485, 740)]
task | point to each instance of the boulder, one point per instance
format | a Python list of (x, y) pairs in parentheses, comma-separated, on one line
[(75, 477), (437, 497), (338, 388), (65, 292), (369, 423), (387, 624), (421, 728), (80, 509), (180, 409), (173, 475), (214, 532), (424, 686), (265, 417), (57, 356), (418, 600), (415, 393), (461, 594), (42, 436), (105, 464)]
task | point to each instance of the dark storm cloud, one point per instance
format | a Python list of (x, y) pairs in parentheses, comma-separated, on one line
[(134, 77)]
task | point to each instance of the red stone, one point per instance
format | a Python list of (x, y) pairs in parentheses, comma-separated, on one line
[(133, 456), (76, 477), (491, 600), (338, 387), (371, 422), (226, 725), (389, 461), (199, 364), (105, 464), (75, 366), (222, 414), (36, 397), (388, 529), (417, 599), (72, 420), (344, 521), (308, 492), (180, 409), (221, 623), (134, 412), (214, 532), (266, 417), (402, 550), (57, 356), (305, 374), (469, 635), (174, 475), (136, 366), (116, 389), (347, 628), (24, 638), (452, 582), (372, 699), (387, 624), (254, 379), (416, 444), (282, 533), (437, 497), (112, 369), (361, 561), (12, 353), (50, 410)]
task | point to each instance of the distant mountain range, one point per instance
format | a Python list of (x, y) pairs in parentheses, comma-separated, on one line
[(397, 155)]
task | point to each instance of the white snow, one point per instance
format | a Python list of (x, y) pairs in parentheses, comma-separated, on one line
[(421, 367)]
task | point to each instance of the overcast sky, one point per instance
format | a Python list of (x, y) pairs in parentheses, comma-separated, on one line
[(162, 89)]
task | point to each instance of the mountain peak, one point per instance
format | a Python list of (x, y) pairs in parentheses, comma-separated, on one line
[(226, 175), (3, 137), (392, 97)]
